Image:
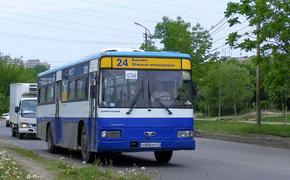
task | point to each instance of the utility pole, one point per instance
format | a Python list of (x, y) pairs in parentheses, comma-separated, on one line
[(258, 103), (146, 33), (146, 40)]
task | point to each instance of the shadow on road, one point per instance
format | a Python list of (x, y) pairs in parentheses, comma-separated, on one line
[(115, 159)]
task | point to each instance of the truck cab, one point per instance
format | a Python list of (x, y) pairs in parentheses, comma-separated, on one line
[(26, 112), (23, 105)]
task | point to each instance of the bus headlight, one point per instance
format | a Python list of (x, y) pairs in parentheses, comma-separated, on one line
[(184, 134), (24, 125), (111, 134)]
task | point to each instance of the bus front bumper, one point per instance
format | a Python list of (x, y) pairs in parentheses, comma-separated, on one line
[(153, 145)]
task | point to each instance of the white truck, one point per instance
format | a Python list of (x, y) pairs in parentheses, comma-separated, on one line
[(23, 101)]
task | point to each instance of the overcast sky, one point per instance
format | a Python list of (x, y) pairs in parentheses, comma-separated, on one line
[(61, 31)]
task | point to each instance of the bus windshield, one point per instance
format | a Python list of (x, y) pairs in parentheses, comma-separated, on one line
[(28, 109), (145, 88)]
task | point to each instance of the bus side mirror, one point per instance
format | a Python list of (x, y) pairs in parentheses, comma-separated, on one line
[(93, 90), (16, 109)]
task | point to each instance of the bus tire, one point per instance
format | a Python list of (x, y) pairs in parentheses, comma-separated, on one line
[(13, 132), (50, 143), (20, 136), (163, 156), (87, 155)]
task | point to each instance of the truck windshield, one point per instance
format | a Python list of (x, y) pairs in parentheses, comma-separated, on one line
[(119, 88), (28, 108)]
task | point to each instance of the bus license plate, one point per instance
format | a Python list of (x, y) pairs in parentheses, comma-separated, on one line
[(150, 145)]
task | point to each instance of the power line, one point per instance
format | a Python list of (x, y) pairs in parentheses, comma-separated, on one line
[(138, 9), (224, 18), (223, 26), (39, 38), (178, 5), (74, 13), (236, 31), (68, 22), (63, 28), (218, 47), (90, 11)]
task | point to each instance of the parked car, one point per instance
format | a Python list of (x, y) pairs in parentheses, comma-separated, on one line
[(5, 116)]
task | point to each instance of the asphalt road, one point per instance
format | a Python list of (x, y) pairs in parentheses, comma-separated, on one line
[(213, 160)]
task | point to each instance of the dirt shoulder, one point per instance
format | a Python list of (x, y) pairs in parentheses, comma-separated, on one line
[(29, 165), (264, 140)]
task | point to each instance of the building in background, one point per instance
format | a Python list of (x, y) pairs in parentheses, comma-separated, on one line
[(34, 62), (18, 61), (9, 60)]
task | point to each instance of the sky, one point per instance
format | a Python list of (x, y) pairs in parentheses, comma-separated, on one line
[(62, 31)]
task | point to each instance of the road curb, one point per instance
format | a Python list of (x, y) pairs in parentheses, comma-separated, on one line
[(264, 140)]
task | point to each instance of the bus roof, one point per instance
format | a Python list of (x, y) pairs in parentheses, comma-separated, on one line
[(98, 55)]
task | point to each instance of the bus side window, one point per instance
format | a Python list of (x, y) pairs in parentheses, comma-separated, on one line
[(42, 95), (50, 93), (72, 90), (81, 88), (64, 91)]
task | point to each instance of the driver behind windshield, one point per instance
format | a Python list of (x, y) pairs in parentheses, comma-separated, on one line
[(159, 95)]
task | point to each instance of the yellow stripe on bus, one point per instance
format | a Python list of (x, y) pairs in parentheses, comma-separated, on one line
[(186, 64), (106, 62)]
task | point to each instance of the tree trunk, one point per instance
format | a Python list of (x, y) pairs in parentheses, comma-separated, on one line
[(208, 110), (282, 102), (258, 105), (220, 91), (285, 107), (235, 107), (219, 107), (286, 118)]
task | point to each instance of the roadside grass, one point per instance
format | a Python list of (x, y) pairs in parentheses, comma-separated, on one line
[(275, 119), (64, 170), (11, 170), (266, 117), (240, 128)]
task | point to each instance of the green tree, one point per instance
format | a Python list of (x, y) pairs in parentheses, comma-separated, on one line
[(150, 46), (201, 43), (178, 35), (272, 19), (226, 87), (10, 73), (175, 35), (272, 34), (39, 68), (277, 82), (237, 85)]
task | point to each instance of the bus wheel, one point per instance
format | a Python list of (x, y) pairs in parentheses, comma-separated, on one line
[(50, 143), (163, 156), (20, 136), (13, 132), (86, 154)]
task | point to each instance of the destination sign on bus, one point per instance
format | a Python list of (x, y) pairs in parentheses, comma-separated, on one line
[(145, 63)]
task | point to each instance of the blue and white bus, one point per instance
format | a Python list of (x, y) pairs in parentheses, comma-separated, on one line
[(116, 101)]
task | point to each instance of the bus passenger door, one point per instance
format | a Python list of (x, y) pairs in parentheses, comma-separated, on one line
[(57, 122), (93, 105)]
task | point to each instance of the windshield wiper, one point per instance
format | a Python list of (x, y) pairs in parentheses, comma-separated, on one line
[(165, 107), (135, 100), (149, 93)]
